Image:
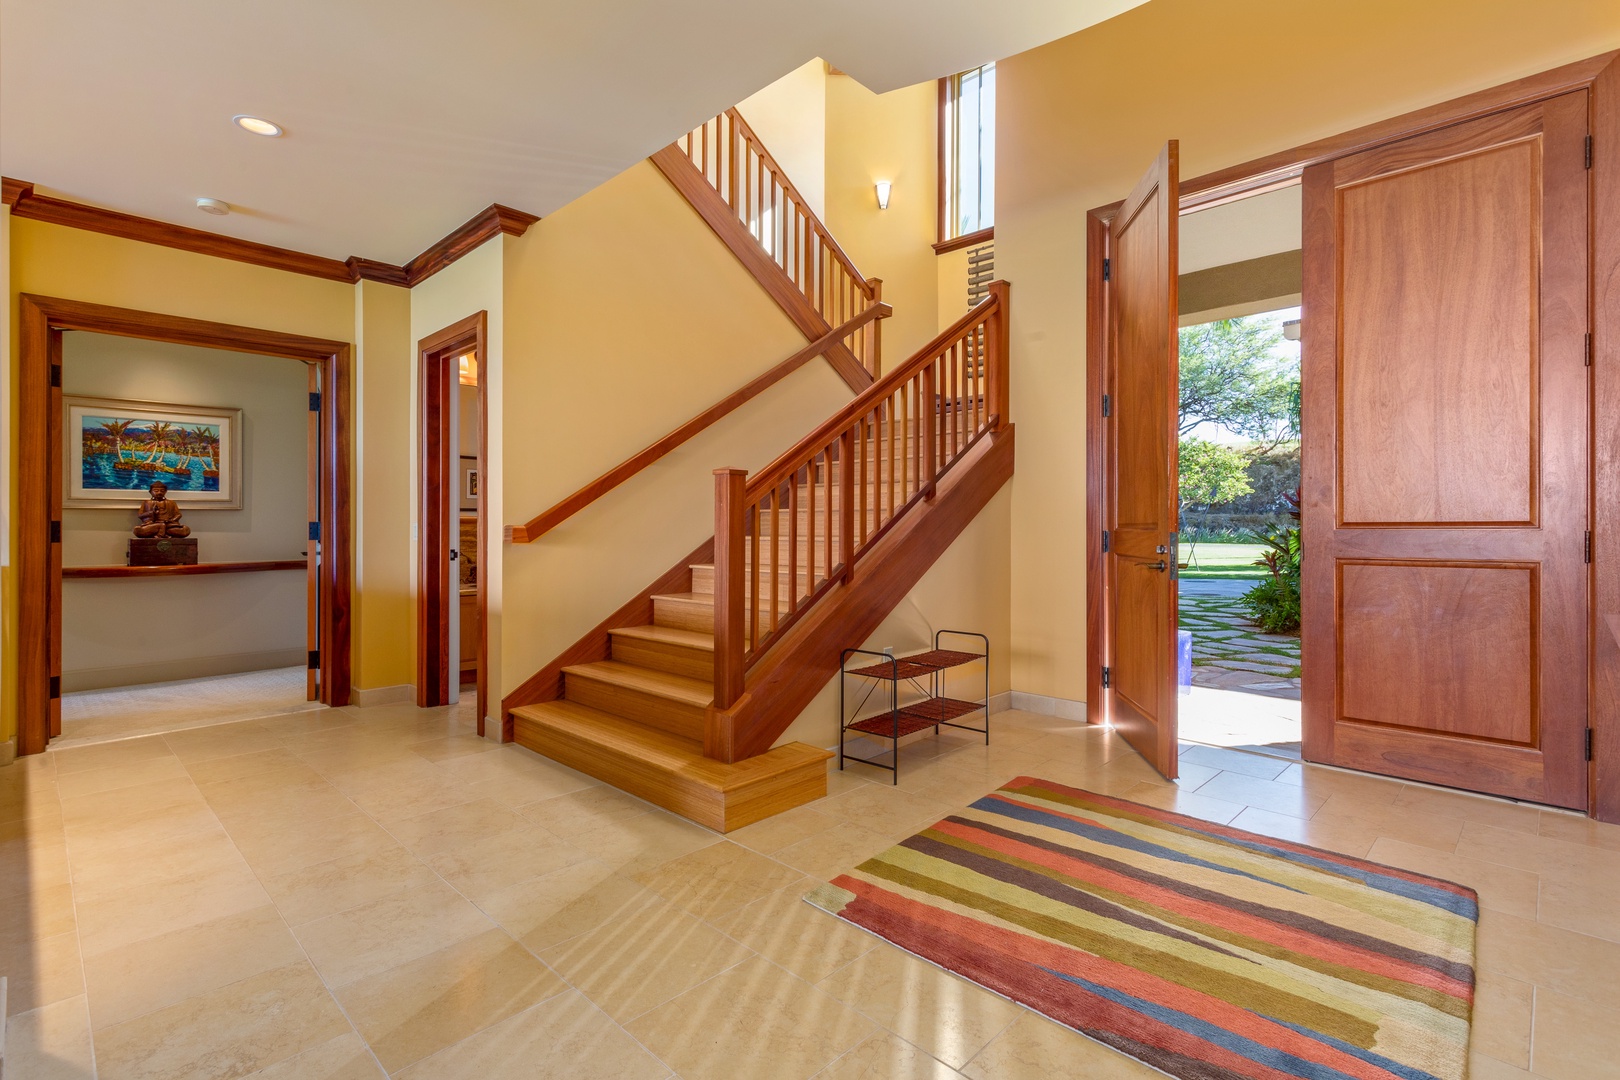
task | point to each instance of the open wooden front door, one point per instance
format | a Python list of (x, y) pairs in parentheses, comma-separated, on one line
[(1446, 456), (1139, 449)]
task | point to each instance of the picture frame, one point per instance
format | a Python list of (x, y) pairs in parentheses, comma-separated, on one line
[(469, 483), (115, 448)]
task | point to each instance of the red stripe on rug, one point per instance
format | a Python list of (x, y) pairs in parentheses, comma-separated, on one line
[(1291, 938), (1226, 832), (920, 927)]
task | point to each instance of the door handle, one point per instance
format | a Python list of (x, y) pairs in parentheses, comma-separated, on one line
[(1161, 566), (454, 554)]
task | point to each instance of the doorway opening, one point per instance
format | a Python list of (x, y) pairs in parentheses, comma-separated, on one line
[(452, 634), (1239, 441)]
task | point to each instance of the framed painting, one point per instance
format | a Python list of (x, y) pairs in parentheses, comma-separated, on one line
[(469, 483), (116, 449)]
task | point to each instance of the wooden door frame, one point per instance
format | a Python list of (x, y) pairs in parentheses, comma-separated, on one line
[(41, 322), (435, 478), (1600, 77)]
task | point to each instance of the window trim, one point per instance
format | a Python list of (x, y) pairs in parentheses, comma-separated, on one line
[(944, 242)]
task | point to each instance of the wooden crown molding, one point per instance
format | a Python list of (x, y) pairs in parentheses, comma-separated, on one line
[(25, 202)]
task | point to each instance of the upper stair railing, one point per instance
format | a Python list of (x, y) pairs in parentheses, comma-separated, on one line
[(733, 161), (793, 530)]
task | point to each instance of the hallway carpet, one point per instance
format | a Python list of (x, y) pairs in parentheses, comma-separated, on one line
[(1202, 950)]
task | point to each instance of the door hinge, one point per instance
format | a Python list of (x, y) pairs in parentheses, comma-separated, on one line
[(1588, 350), (1105, 677), (314, 659), (314, 401), (1105, 540), (315, 530), (1589, 151), (1589, 545), (56, 532), (56, 376), (1108, 267), (56, 688), (1108, 406), (1588, 744)]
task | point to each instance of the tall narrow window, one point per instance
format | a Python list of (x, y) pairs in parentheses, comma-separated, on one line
[(967, 140)]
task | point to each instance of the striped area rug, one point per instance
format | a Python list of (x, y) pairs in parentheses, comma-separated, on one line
[(1207, 952)]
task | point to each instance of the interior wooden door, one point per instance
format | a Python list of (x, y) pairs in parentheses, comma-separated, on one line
[(1446, 456), (1140, 426)]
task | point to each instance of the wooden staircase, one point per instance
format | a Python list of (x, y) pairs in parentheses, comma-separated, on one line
[(680, 697)]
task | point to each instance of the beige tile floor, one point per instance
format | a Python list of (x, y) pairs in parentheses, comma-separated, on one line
[(119, 712), (359, 893)]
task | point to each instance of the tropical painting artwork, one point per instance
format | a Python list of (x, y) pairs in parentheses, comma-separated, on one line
[(117, 449)]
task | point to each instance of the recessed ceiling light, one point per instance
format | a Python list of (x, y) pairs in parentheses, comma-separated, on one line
[(217, 207), (257, 125)]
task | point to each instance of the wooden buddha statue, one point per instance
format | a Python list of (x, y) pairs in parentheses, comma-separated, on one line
[(160, 515)]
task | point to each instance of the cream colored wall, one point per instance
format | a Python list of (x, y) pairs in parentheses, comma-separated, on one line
[(966, 589), (384, 640), (1080, 119), (475, 283), (626, 317), (790, 118), (951, 269), (873, 137), (52, 260)]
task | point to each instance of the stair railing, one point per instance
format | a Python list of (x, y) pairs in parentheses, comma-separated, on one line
[(796, 528), (736, 164)]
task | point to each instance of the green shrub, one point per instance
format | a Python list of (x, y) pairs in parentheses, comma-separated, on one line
[(1274, 603)]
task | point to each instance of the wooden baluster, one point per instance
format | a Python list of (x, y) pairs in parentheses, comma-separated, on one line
[(930, 411), (729, 492), (732, 147), (753, 571), (774, 560), (827, 501), (793, 542), (996, 353), (846, 499), (809, 531), (894, 503)]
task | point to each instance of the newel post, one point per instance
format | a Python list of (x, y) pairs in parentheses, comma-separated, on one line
[(730, 487), (996, 349)]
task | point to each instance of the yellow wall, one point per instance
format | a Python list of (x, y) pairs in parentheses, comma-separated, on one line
[(626, 317), (873, 137), (384, 379), (790, 118), (1080, 119), (52, 260), (965, 590)]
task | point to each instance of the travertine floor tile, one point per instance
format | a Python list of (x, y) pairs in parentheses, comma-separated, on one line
[(1502, 1010), (225, 1033), (344, 1058), (1191, 803), (388, 932), (1572, 964), (828, 854), (515, 777), (565, 1038), (313, 892), (454, 826), (758, 1021), (1500, 888), (717, 879), (887, 1057), (51, 1043), (1575, 1038), (273, 847), (1294, 799), (1034, 1048), (41, 971), (421, 1007), (949, 1017), (629, 967), (127, 774), (214, 770), (142, 977), (121, 917), (776, 833), (789, 932)]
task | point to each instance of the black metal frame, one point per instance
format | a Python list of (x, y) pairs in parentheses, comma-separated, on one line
[(912, 712)]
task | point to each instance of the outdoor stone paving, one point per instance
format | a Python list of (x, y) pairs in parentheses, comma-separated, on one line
[(1230, 653)]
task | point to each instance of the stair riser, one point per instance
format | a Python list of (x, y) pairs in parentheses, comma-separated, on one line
[(666, 656), (675, 717), (703, 579), (698, 614)]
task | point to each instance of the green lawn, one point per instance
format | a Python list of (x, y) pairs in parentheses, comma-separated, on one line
[(1222, 560)]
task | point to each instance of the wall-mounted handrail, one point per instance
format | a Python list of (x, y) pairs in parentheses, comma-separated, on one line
[(573, 504), (796, 528)]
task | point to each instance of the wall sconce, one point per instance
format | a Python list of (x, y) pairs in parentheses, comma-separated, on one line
[(883, 194), (1291, 330)]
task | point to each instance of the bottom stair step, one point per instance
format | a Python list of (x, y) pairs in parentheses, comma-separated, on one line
[(671, 771)]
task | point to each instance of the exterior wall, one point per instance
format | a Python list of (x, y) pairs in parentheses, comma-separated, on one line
[(1080, 119)]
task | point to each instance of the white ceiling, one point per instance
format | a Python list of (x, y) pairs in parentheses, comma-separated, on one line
[(404, 118), (1242, 230)]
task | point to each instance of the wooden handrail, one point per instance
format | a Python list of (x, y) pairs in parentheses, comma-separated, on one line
[(730, 177), (185, 570), (793, 192), (883, 388), (573, 504), (795, 529)]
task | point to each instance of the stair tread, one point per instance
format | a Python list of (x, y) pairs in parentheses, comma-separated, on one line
[(647, 680), (669, 635), (783, 603), (664, 751)]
